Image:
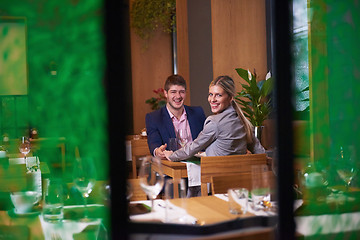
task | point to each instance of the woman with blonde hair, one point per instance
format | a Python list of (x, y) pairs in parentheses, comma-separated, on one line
[(226, 132)]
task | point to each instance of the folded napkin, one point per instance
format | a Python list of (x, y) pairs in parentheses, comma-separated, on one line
[(175, 214), (194, 174), (172, 214), (157, 215)]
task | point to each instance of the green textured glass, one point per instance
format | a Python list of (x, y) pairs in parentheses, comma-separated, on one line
[(330, 181), (66, 102)]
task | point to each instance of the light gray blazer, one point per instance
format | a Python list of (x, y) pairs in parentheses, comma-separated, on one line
[(223, 134)]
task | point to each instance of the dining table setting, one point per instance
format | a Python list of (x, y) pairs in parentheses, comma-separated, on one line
[(199, 210), (198, 216), (168, 206), (36, 204), (319, 210)]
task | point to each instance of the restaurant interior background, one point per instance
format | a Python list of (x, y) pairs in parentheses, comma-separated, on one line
[(64, 63)]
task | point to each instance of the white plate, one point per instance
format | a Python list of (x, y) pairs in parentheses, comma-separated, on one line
[(33, 212)]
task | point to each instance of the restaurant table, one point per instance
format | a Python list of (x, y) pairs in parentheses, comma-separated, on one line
[(13, 176), (176, 170), (207, 215), (339, 220), (33, 227), (335, 215)]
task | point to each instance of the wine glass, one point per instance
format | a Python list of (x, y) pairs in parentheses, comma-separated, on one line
[(182, 137), (151, 178), (84, 178), (346, 165), (24, 146)]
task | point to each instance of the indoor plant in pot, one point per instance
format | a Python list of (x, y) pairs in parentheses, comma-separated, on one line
[(254, 98), (157, 102)]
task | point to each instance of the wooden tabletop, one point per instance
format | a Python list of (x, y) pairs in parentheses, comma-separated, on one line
[(209, 209), (174, 165)]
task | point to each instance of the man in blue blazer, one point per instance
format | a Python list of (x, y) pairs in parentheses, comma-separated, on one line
[(162, 124)]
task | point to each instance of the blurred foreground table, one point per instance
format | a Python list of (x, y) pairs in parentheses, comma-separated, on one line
[(212, 218), (33, 227)]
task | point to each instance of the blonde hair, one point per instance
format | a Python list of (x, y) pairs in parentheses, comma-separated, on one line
[(226, 83)]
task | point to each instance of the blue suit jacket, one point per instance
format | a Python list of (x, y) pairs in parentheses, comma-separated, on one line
[(159, 126)]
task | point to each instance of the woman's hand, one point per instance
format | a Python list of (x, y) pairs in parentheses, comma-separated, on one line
[(167, 154)]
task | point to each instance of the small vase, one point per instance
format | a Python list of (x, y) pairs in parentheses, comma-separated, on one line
[(258, 132)]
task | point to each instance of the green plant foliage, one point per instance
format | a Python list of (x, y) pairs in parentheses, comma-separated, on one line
[(257, 103), (148, 15), (157, 102)]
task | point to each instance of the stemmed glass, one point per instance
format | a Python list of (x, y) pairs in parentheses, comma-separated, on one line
[(151, 178), (84, 178), (182, 137), (346, 165), (24, 146)]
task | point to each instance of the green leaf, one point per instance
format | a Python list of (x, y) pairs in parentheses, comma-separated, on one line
[(161, 103), (243, 74), (267, 86), (254, 98)]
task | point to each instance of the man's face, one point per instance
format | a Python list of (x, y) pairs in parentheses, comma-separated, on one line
[(175, 96)]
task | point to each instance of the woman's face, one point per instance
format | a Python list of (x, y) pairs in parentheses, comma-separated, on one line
[(218, 99)]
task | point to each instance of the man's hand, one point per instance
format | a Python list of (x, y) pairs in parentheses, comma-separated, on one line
[(159, 152), (167, 154)]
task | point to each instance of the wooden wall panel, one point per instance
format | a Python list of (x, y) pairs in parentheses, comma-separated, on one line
[(239, 37), (183, 43), (149, 67)]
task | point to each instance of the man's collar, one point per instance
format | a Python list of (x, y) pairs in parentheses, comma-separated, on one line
[(172, 115)]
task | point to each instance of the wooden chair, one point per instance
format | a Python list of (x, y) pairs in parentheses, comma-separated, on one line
[(139, 148), (137, 193), (227, 165), (220, 184)]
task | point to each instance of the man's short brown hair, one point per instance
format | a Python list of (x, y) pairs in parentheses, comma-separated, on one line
[(174, 80)]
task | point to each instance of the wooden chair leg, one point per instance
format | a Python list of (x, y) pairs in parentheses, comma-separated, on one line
[(204, 190), (133, 160)]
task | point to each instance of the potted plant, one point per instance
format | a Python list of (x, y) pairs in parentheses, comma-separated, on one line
[(159, 101), (254, 98)]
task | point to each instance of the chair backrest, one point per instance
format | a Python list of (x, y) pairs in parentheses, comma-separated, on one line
[(227, 165), (220, 184), (138, 148), (137, 193)]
